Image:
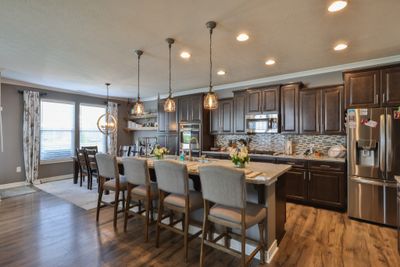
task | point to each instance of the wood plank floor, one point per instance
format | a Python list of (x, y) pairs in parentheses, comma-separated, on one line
[(42, 230)]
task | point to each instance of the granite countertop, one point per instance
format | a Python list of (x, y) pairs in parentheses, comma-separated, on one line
[(397, 178), (283, 156)]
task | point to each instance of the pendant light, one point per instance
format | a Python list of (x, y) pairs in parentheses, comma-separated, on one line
[(211, 100), (138, 108), (169, 105), (106, 123)]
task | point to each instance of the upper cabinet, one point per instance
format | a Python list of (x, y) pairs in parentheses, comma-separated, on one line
[(190, 108), (310, 111), (167, 121), (239, 112), (221, 120), (262, 100), (390, 86), (362, 89), (290, 108), (332, 110)]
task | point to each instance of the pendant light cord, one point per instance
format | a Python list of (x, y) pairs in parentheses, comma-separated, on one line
[(138, 79), (210, 85), (170, 90)]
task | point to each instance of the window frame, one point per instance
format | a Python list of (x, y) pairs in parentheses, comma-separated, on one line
[(60, 160)]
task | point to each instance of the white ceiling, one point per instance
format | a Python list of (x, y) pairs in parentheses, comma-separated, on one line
[(78, 45)]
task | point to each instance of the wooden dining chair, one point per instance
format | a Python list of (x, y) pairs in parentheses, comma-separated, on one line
[(94, 148), (174, 195), (111, 180), (83, 166), (91, 166), (140, 190), (226, 189)]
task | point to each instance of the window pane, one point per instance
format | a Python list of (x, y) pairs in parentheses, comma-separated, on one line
[(57, 129), (89, 134)]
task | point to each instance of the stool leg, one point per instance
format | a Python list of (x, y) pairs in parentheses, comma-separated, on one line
[(261, 229), (147, 217), (243, 259), (99, 201), (185, 233), (127, 204), (159, 216), (204, 233), (116, 202)]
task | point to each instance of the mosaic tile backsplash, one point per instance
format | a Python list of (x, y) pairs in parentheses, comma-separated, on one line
[(276, 142)]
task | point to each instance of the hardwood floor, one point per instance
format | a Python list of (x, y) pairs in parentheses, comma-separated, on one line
[(42, 230)]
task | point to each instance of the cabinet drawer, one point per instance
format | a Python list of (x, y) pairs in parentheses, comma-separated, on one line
[(296, 163), (327, 166)]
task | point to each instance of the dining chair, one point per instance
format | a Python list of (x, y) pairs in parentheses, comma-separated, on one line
[(111, 180), (91, 166), (94, 148), (174, 195), (225, 187), (140, 189), (82, 165)]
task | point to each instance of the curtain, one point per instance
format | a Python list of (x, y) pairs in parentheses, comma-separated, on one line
[(31, 135), (112, 138)]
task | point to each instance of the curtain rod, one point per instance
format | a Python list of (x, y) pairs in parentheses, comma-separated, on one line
[(40, 94)]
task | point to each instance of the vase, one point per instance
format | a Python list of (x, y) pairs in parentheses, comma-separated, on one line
[(159, 156), (240, 165)]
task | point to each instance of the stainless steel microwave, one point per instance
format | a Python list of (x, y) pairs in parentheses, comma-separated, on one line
[(262, 123)]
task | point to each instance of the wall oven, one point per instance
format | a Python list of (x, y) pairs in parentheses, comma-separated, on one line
[(262, 123)]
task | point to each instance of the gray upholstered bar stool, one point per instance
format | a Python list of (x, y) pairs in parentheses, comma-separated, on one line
[(140, 189), (108, 170), (226, 189), (174, 194)]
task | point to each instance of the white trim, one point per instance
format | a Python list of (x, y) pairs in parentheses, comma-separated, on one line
[(272, 250), (12, 185), (288, 76), (55, 161), (53, 178)]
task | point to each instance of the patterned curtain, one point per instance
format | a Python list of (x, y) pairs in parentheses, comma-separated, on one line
[(31, 135), (112, 138)]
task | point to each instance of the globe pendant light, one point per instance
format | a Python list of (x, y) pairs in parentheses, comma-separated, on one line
[(106, 123), (169, 105), (211, 100), (138, 108)]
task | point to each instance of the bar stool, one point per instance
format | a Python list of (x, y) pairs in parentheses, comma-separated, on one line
[(108, 170), (174, 194), (140, 189), (226, 188)]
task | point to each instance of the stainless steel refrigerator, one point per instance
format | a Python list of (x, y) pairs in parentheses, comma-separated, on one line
[(373, 143)]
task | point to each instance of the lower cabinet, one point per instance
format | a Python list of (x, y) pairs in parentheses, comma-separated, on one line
[(169, 141), (296, 184), (326, 188)]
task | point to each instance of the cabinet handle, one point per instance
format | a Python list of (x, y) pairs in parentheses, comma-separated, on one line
[(376, 99), (291, 163), (324, 166), (304, 174), (309, 176), (384, 97)]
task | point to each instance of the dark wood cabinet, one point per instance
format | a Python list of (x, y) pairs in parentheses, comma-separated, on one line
[(169, 141), (390, 86), (167, 121), (190, 108), (239, 112), (362, 89), (253, 101), (310, 111), (270, 99), (332, 110), (296, 184), (326, 188), (290, 108), (221, 119)]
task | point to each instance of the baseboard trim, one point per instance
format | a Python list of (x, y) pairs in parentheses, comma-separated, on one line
[(53, 178), (12, 185), (272, 250)]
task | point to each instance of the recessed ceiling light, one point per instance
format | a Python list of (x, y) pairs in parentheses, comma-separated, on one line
[(337, 5), (270, 62), (242, 37), (340, 46), (185, 55), (221, 72)]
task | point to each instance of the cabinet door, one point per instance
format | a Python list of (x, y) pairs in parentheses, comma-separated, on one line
[(296, 184), (226, 116), (214, 121), (270, 100), (161, 117), (184, 109), (289, 108), (172, 144), (253, 101), (239, 111), (332, 110), (172, 122), (391, 86), (326, 188), (196, 107), (362, 89), (309, 111)]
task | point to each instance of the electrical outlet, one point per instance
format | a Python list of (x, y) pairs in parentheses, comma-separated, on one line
[(18, 169)]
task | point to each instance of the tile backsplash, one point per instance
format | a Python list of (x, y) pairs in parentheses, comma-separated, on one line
[(276, 142)]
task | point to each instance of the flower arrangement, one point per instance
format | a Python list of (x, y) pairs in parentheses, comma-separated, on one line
[(160, 151), (239, 156)]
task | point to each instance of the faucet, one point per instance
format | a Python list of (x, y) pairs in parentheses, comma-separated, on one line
[(190, 146)]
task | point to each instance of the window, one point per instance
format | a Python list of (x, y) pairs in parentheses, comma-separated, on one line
[(57, 130), (89, 133)]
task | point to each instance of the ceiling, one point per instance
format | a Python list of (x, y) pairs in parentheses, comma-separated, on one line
[(79, 45)]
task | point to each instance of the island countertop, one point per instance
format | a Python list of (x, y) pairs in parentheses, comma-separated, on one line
[(256, 172)]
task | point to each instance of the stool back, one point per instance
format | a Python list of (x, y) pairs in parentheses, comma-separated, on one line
[(172, 177), (107, 166), (136, 171)]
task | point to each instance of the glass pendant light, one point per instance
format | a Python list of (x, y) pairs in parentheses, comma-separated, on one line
[(169, 105), (138, 108), (211, 100), (106, 123)]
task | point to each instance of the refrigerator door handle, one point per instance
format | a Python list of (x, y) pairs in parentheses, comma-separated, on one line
[(389, 143), (382, 143), (371, 182)]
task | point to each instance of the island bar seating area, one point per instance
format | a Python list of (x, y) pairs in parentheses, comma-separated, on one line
[(219, 196)]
